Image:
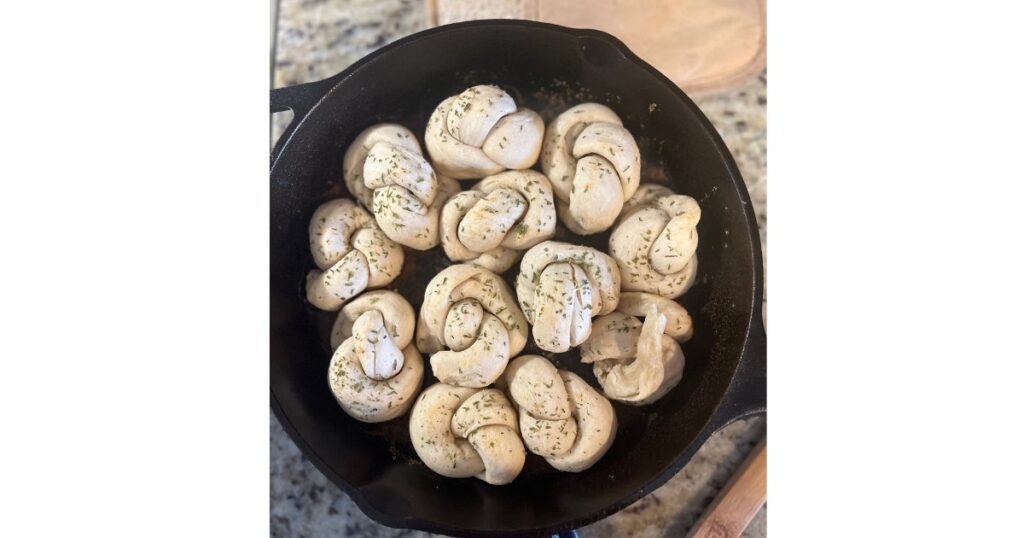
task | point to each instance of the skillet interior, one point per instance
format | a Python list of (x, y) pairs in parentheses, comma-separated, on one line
[(546, 68)]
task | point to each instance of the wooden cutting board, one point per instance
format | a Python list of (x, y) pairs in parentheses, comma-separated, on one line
[(739, 501), (704, 46)]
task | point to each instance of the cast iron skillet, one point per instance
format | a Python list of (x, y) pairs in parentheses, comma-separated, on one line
[(547, 68)]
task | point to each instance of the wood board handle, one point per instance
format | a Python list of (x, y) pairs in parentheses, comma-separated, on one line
[(740, 499)]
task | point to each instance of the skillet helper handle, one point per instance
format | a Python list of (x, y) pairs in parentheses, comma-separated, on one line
[(748, 393), (740, 499), (300, 99)]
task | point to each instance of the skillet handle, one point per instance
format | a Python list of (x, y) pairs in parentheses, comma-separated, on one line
[(300, 99), (748, 392)]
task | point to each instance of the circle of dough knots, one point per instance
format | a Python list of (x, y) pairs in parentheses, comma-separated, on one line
[(353, 254), (471, 324), (638, 362), (385, 170), (561, 287), (655, 242), (594, 166), (481, 132), (461, 432), (502, 214), (561, 417), (375, 373)]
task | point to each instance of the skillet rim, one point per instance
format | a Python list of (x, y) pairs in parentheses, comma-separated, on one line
[(753, 341)]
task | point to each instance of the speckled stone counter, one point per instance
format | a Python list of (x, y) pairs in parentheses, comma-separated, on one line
[(318, 38)]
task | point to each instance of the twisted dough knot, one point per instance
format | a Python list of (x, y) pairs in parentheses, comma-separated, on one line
[(562, 418), (399, 317), (461, 432), (480, 132), (655, 242), (471, 323), (561, 287), (638, 362), (352, 253), (385, 170), (591, 190), (503, 214), (375, 372)]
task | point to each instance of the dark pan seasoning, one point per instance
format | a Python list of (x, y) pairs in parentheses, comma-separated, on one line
[(547, 68)]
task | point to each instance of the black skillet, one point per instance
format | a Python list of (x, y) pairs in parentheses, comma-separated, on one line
[(547, 68)]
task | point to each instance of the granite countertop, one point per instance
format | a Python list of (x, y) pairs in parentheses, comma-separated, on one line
[(318, 38)]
